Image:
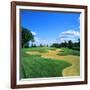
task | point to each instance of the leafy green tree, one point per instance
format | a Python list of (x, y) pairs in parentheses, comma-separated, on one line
[(41, 45), (55, 45), (65, 44), (32, 42), (26, 37), (70, 44), (26, 45), (79, 42), (47, 45)]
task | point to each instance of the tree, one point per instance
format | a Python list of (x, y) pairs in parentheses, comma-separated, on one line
[(41, 45), (64, 44), (70, 44), (79, 42), (33, 45), (26, 36), (47, 45), (26, 45)]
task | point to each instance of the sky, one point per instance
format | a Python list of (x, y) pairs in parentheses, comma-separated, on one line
[(51, 27)]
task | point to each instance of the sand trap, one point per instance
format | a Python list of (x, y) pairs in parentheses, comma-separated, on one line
[(73, 70), (33, 53)]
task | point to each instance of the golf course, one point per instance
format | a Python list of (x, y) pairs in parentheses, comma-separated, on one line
[(50, 44), (49, 62)]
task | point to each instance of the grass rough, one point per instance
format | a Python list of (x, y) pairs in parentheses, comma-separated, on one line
[(35, 66), (67, 51)]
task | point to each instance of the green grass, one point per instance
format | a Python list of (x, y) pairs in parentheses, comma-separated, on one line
[(67, 51), (52, 48), (34, 66), (39, 49)]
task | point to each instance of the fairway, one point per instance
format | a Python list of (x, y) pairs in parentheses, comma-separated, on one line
[(49, 62)]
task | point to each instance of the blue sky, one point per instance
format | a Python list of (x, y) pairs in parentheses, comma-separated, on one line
[(51, 27)]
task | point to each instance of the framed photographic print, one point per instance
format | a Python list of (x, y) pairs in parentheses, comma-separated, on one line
[(48, 44)]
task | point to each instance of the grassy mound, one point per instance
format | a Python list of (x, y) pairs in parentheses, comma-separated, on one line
[(67, 51)]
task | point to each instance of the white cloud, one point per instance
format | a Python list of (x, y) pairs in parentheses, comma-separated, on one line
[(68, 35), (71, 32), (37, 39), (34, 33)]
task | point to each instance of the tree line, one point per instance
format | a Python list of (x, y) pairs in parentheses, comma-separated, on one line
[(69, 44), (27, 36)]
